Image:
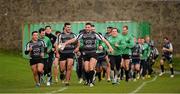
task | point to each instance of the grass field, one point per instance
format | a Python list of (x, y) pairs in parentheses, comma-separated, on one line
[(16, 77)]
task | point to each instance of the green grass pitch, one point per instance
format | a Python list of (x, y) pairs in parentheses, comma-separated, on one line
[(16, 77)]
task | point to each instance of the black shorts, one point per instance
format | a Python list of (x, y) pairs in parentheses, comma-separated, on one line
[(65, 56), (168, 58), (125, 56), (45, 61), (135, 61), (101, 57), (115, 61), (99, 64), (35, 61), (88, 56)]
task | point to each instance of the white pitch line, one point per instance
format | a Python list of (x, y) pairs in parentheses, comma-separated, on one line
[(59, 90), (142, 85)]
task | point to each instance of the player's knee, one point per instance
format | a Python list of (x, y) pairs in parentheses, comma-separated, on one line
[(69, 67), (40, 70), (86, 69), (108, 65), (127, 68), (161, 61), (35, 72), (91, 68), (137, 68), (62, 69), (56, 67)]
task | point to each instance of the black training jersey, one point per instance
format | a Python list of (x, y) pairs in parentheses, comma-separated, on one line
[(52, 38), (168, 46), (136, 50), (37, 49), (89, 40), (107, 35), (62, 38), (151, 43), (154, 53)]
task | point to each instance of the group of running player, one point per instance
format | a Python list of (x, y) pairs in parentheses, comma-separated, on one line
[(113, 54)]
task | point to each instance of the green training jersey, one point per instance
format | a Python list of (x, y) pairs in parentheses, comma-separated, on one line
[(126, 43), (48, 46), (145, 51), (115, 40)]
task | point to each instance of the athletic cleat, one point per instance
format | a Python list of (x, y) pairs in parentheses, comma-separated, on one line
[(80, 81), (66, 83), (127, 79), (109, 80), (102, 78), (56, 80), (118, 81), (113, 81), (130, 79), (42, 79), (37, 85), (172, 76), (49, 80), (86, 83), (62, 81), (134, 80), (48, 83), (138, 77), (143, 78), (91, 85), (148, 76), (161, 73), (118, 78)]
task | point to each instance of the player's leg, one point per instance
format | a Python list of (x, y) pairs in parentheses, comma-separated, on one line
[(79, 69), (45, 61), (117, 65), (150, 70), (40, 67), (112, 62), (144, 71), (137, 69), (127, 61), (35, 74), (122, 69), (62, 69), (108, 69), (69, 70), (49, 67), (171, 67), (98, 70), (162, 66), (86, 72), (148, 67), (56, 66), (133, 72), (92, 64)]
